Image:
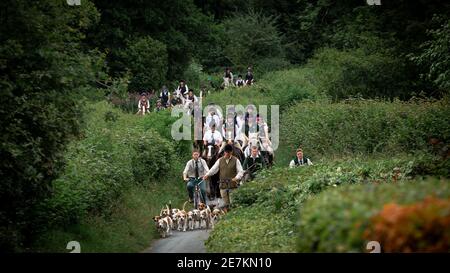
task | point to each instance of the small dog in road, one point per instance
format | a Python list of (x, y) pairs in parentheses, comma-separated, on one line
[(190, 220), (196, 217), (181, 217), (163, 225), (205, 217), (216, 214)]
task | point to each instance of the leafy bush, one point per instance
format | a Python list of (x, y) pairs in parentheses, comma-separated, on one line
[(251, 230), (113, 156), (269, 64), (153, 157), (420, 227), (285, 188), (335, 221), (193, 75), (42, 66), (365, 127), (147, 60), (343, 74), (251, 37), (434, 55), (281, 88), (162, 123), (278, 193)]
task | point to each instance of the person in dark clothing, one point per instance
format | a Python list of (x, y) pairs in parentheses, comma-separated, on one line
[(164, 96), (182, 89), (299, 160), (240, 82), (252, 164), (228, 78), (249, 78)]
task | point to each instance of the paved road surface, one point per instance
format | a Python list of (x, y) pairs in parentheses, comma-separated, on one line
[(191, 241), (181, 242)]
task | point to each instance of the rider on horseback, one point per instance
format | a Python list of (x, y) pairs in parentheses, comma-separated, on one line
[(182, 89), (190, 100), (228, 78), (143, 105), (240, 82), (249, 77), (231, 132), (213, 137), (212, 117), (175, 99), (164, 96), (252, 164)]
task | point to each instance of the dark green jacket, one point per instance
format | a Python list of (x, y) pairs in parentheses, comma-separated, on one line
[(253, 165)]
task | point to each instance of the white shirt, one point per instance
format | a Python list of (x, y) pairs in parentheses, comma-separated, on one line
[(165, 93), (240, 121), (195, 99), (247, 152), (263, 130), (211, 118), (292, 163), (227, 134), (189, 170), (209, 135), (179, 90), (148, 105), (215, 168)]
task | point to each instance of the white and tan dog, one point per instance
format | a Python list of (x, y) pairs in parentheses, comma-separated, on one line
[(205, 217), (174, 218), (181, 217), (163, 225), (164, 211), (190, 220), (196, 217), (216, 214)]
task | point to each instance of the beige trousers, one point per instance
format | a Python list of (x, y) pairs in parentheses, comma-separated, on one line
[(226, 196)]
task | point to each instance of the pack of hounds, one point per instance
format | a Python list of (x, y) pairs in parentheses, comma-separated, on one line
[(206, 216)]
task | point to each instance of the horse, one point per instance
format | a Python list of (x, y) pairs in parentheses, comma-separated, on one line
[(210, 154), (197, 144), (264, 148), (144, 106), (143, 110), (267, 158)]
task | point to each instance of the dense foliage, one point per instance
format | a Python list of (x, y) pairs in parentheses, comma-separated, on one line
[(420, 227), (434, 54), (278, 194), (341, 217), (253, 39), (366, 127), (115, 154), (147, 61), (54, 57), (43, 68)]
